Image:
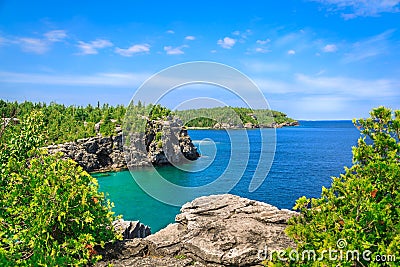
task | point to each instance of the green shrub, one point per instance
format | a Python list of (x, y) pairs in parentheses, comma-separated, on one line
[(159, 112), (158, 136), (50, 210), (159, 144), (361, 209)]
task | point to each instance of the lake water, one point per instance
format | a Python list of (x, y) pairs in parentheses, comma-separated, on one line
[(306, 158)]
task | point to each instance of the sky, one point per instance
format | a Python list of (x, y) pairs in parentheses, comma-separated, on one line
[(312, 59)]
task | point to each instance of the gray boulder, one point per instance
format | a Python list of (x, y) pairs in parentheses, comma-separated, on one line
[(217, 230)]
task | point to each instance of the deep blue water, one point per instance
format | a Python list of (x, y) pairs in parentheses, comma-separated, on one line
[(306, 158)]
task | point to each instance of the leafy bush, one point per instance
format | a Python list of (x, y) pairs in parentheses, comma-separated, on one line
[(362, 207), (159, 144), (68, 123), (50, 210), (158, 136), (159, 112), (201, 122)]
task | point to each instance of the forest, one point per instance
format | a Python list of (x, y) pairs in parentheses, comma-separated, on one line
[(235, 116), (69, 123)]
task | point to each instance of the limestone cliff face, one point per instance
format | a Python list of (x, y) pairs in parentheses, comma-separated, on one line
[(174, 144), (109, 153), (94, 153), (217, 230)]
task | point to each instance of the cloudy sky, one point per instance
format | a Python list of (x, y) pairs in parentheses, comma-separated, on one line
[(313, 59)]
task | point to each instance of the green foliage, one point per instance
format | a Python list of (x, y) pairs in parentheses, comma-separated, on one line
[(51, 212), (362, 206), (159, 144), (201, 122), (136, 118), (158, 139), (107, 127), (180, 256), (68, 123), (158, 136), (246, 115), (209, 117), (158, 112)]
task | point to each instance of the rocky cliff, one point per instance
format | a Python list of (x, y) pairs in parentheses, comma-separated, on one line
[(250, 125), (218, 230), (131, 229), (99, 153)]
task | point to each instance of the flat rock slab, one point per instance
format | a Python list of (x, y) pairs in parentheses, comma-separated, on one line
[(217, 230)]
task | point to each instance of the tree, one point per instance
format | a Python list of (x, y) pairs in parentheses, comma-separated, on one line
[(107, 127), (158, 112), (361, 210), (51, 212)]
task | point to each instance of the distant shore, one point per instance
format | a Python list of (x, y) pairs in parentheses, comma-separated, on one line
[(234, 127)]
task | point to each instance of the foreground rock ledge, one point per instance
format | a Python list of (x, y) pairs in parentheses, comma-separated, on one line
[(217, 230)]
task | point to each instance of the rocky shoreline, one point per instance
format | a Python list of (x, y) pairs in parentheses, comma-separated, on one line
[(103, 154), (247, 126), (216, 230), (164, 142)]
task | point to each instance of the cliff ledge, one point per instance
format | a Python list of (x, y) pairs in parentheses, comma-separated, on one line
[(217, 230)]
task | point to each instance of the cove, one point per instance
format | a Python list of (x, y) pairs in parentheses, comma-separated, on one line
[(306, 158)]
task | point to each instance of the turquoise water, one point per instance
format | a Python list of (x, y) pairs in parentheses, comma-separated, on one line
[(305, 159)]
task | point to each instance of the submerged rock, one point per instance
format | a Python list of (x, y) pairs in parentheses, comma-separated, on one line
[(217, 230)]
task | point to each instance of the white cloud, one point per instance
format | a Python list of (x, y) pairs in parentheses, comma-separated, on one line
[(170, 32), (261, 47), (328, 97), (263, 42), (134, 49), (175, 50), (226, 43), (213, 51), (350, 87), (261, 50), (329, 48), (243, 34), (299, 40), (97, 79), (291, 52), (56, 35), (263, 67), (290, 38), (371, 47), (92, 47), (355, 8), (39, 45), (2, 40), (190, 38), (33, 45)]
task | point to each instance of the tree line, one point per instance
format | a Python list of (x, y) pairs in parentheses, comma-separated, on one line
[(234, 116), (69, 123)]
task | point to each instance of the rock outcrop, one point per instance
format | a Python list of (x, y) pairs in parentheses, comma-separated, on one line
[(250, 125), (132, 229), (286, 124), (111, 154), (173, 144), (94, 153), (217, 230)]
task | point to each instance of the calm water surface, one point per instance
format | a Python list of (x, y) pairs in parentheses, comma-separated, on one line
[(306, 158)]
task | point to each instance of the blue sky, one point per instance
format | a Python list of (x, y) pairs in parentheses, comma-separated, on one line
[(313, 59)]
